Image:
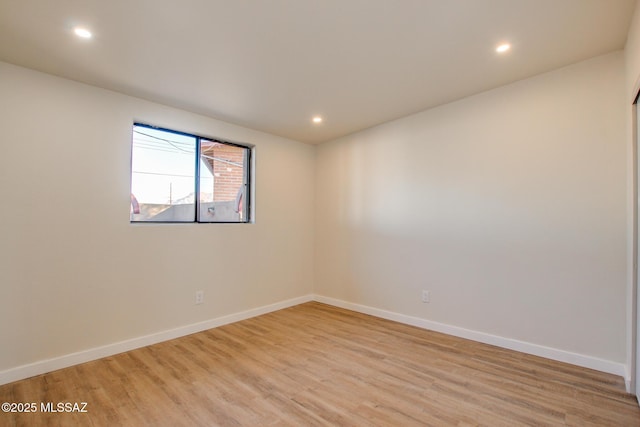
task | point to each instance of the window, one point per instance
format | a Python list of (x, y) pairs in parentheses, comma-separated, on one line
[(177, 177)]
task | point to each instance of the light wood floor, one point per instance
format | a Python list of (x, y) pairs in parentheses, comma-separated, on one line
[(318, 365)]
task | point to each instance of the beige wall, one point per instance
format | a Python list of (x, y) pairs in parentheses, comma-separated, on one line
[(509, 206), (632, 71), (75, 274), (632, 54)]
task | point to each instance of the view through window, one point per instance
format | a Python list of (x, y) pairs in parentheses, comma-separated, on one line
[(177, 177)]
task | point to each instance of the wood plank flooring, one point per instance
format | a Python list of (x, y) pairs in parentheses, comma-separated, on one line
[(317, 365)]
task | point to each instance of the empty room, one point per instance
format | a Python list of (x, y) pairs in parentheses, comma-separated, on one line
[(319, 213)]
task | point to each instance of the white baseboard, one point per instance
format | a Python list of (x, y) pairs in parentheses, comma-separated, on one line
[(511, 344), (48, 365)]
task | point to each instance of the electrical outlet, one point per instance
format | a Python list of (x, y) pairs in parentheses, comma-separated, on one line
[(426, 296), (199, 297)]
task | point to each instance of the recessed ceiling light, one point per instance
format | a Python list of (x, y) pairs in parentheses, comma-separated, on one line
[(82, 32), (317, 119), (503, 48)]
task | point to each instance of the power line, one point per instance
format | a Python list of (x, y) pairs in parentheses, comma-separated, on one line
[(162, 149), (172, 143)]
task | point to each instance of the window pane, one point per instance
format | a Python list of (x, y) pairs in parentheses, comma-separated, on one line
[(162, 176), (223, 182)]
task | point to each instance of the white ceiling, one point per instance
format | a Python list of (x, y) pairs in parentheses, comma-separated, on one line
[(273, 64)]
